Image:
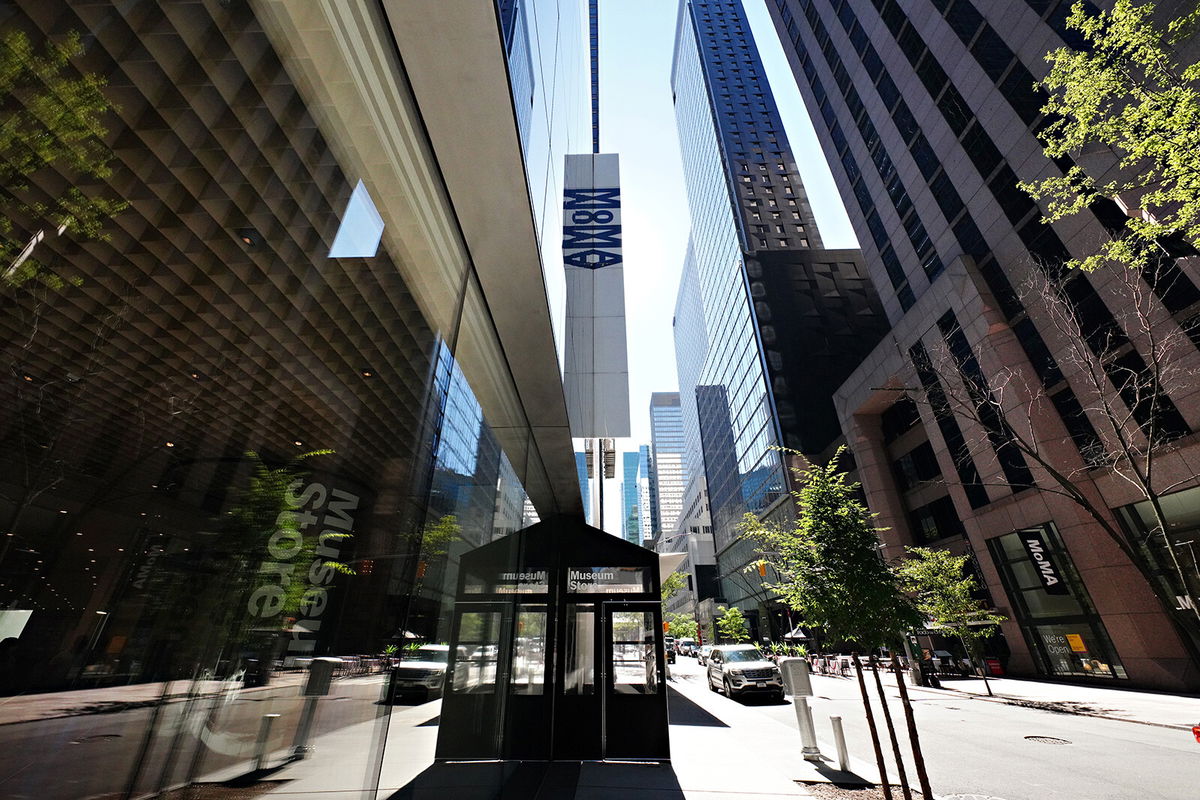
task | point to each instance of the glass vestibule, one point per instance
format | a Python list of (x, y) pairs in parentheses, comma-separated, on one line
[(1052, 606), (579, 650)]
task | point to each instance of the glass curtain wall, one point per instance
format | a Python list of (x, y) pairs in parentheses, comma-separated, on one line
[(736, 421), (237, 436)]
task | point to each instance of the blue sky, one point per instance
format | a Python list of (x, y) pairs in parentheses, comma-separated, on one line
[(637, 120)]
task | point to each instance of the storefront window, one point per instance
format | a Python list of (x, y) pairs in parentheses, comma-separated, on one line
[(1173, 547), (1052, 606)]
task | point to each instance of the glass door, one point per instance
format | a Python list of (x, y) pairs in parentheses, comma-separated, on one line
[(480, 656), (635, 700)]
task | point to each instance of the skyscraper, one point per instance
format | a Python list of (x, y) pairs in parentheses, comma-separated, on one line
[(585, 487), (768, 323), (631, 518), (645, 502), (666, 461), (928, 116)]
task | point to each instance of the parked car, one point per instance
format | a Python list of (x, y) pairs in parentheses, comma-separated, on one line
[(422, 670), (702, 654), (740, 668), (686, 645)]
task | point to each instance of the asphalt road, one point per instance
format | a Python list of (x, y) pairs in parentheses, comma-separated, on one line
[(979, 750)]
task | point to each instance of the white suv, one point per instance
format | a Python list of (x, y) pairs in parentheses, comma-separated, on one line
[(739, 668)]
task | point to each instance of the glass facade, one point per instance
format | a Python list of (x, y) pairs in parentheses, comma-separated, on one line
[(631, 524), (253, 394), (645, 514), (732, 399), (585, 484), (667, 461), (1170, 546)]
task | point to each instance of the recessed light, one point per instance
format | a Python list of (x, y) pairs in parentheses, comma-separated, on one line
[(298, 443), (28, 377), (170, 444), (366, 373), (62, 511)]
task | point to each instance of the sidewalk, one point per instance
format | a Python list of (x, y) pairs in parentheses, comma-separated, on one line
[(1129, 705), (720, 751)]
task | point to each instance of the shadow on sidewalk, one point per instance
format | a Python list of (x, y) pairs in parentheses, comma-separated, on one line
[(683, 711), (562, 780)]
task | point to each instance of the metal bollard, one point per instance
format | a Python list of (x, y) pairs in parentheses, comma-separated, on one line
[(320, 675), (795, 671), (264, 734), (839, 741)]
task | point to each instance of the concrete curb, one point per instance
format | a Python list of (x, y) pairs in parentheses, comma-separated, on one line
[(1008, 699)]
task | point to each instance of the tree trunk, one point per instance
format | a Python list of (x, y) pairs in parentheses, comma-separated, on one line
[(891, 729), (862, 687), (918, 756)]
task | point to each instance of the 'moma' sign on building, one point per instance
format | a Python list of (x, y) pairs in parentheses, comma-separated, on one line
[(596, 374)]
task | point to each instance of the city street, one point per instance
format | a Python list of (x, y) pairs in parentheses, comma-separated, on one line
[(977, 748)]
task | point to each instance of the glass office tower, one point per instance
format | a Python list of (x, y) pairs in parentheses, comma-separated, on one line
[(666, 461), (264, 386), (768, 321), (631, 525)]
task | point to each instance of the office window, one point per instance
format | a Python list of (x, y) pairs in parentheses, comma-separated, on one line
[(992, 53)]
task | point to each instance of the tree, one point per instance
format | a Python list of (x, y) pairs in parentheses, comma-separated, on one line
[(672, 585), (54, 120), (732, 624), (681, 626), (1125, 425), (828, 562), (1125, 95), (945, 595)]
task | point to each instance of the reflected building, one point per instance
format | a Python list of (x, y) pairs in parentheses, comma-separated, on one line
[(278, 352), (768, 322)]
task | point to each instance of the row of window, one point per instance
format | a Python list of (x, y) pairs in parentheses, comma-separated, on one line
[(922, 244)]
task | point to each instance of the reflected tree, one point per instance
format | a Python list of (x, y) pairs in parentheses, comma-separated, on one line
[(54, 120)]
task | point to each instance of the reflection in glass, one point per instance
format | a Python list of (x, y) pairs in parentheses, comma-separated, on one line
[(528, 669), (478, 653), (579, 652), (633, 661)]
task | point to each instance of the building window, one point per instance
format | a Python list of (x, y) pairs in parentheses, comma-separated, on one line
[(1052, 606), (934, 521), (915, 467)]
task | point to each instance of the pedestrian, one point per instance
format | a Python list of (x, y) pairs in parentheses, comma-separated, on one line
[(929, 671)]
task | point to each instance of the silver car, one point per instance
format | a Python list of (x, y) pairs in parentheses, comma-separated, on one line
[(740, 668)]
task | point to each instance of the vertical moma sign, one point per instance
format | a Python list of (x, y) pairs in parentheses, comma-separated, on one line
[(1048, 571), (596, 372)]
